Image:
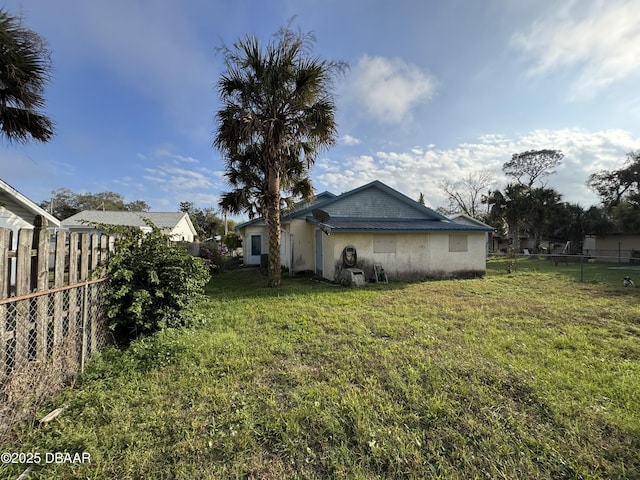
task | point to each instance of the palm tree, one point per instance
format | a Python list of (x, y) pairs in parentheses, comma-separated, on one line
[(543, 202), (277, 114), (24, 71), (510, 207), (249, 180)]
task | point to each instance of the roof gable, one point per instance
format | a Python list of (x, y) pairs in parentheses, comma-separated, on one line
[(374, 200), (22, 207), (302, 206), (465, 219), (376, 207)]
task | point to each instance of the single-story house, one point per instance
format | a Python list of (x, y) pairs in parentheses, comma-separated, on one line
[(618, 247), (17, 211), (176, 224), (372, 224)]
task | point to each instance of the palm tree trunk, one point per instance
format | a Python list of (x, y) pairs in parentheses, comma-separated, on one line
[(273, 227)]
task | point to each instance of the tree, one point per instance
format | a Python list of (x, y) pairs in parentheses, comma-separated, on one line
[(613, 185), (619, 192), (25, 66), (543, 202), (421, 199), (465, 195), (627, 213), (278, 113), (511, 208), (65, 203), (566, 222), (597, 221), (249, 178), (532, 164)]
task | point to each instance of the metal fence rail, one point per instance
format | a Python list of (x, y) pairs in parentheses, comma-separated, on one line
[(608, 269), (45, 339)]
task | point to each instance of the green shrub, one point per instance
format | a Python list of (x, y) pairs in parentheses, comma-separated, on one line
[(152, 283), (232, 240), (213, 256)]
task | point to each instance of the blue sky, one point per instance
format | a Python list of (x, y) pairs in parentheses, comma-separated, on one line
[(436, 91)]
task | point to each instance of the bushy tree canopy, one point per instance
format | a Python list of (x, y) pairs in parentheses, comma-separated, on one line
[(65, 203)]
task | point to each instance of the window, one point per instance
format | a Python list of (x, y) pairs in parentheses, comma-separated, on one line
[(384, 244), (256, 244), (458, 242)]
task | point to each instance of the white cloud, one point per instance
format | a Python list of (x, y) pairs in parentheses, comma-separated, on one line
[(600, 39), (389, 88), (166, 153), (171, 178), (349, 140), (416, 171)]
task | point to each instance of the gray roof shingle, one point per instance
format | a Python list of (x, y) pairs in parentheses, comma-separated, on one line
[(162, 220)]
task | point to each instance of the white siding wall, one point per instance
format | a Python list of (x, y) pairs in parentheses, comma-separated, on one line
[(9, 220), (182, 232)]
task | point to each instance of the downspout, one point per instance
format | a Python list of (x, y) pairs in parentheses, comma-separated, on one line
[(291, 254)]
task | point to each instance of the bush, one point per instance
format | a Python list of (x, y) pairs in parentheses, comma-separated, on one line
[(152, 283), (232, 240), (213, 256)]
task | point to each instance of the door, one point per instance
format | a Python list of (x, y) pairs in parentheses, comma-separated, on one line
[(255, 249), (319, 252)]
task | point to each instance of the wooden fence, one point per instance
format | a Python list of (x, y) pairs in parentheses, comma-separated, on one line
[(51, 313)]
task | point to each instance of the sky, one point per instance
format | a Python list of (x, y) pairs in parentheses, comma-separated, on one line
[(435, 92)]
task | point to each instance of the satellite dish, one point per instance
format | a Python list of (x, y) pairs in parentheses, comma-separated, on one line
[(320, 215)]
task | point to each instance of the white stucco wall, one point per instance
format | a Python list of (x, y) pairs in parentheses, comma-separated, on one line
[(417, 255), (611, 245), (302, 242)]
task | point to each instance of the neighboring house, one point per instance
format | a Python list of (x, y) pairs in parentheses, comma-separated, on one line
[(383, 226), (617, 246), (17, 211), (464, 219), (176, 224)]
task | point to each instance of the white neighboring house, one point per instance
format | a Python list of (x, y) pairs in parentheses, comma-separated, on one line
[(17, 211), (176, 224)]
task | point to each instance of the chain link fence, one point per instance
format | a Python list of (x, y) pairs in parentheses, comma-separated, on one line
[(45, 339), (613, 270)]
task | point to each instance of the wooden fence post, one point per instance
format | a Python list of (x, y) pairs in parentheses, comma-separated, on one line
[(84, 256), (40, 282), (6, 236), (58, 281), (22, 308)]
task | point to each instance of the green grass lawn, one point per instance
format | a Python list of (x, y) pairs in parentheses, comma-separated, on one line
[(516, 376)]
